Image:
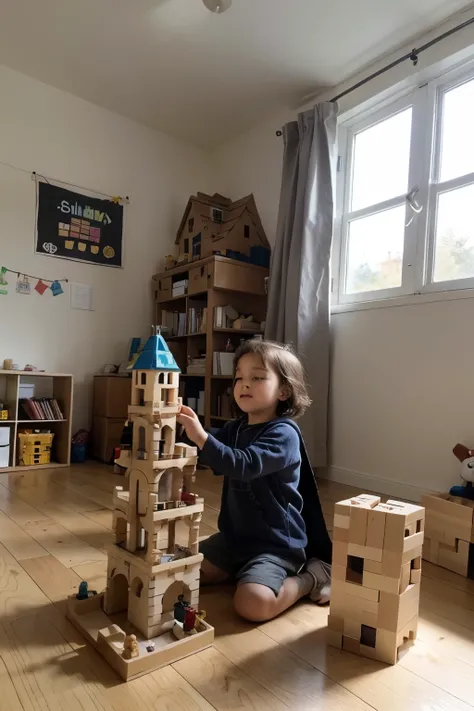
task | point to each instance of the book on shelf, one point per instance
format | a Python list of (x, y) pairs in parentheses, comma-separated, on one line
[(197, 320), (196, 366), (222, 363), (39, 408)]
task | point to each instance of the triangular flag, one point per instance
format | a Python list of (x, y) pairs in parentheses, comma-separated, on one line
[(56, 288), (3, 281), (41, 287), (23, 286)]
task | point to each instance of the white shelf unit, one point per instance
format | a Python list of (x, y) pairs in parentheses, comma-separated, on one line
[(56, 385)]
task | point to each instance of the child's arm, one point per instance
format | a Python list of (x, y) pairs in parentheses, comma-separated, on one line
[(275, 450)]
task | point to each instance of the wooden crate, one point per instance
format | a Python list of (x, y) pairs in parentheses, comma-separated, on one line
[(449, 533)]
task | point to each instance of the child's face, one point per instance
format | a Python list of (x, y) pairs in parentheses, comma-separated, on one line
[(257, 388)]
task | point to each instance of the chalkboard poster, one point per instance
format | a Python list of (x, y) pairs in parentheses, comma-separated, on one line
[(74, 226)]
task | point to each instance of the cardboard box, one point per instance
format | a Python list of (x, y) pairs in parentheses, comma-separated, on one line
[(106, 434), (112, 396), (198, 279)]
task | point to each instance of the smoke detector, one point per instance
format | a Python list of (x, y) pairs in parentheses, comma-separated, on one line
[(217, 5)]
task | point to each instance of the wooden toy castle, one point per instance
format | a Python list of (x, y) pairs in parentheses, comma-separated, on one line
[(376, 577), (152, 583)]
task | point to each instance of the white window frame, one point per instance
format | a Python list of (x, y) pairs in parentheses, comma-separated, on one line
[(425, 155)]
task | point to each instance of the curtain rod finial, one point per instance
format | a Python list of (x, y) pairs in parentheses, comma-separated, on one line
[(279, 133)]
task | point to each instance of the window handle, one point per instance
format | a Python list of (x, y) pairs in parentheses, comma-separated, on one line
[(410, 197)]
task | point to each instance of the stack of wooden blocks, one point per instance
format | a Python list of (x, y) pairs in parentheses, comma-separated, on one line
[(449, 534), (376, 576)]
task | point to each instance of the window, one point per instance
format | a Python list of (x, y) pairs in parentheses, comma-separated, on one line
[(217, 215), (186, 245), (247, 231), (191, 224), (197, 246), (404, 195)]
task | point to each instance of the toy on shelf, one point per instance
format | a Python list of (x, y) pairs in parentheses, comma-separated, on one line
[(449, 532), (147, 571), (466, 457), (214, 224), (376, 575)]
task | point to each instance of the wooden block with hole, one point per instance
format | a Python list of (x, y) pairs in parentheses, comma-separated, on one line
[(376, 577), (449, 533)]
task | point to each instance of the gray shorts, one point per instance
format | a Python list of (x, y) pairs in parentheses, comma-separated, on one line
[(264, 569)]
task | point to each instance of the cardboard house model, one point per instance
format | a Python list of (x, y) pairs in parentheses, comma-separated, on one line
[(213, 223), (147, 572)]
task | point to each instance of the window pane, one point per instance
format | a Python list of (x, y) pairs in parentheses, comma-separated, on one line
[(454, 245), (381, 161), (375, 251), (457, 136)]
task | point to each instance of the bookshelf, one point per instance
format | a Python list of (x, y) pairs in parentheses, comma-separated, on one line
[(47, 385), (211, 283)]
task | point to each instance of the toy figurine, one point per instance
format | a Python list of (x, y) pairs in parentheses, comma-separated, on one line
[(466, 457), (84, 593), (130, 647), (180, 608), (189, 622)]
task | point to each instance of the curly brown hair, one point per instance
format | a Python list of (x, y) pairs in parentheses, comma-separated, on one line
[(282, 359)]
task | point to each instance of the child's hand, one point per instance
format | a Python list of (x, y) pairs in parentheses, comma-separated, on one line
[(194, 430)]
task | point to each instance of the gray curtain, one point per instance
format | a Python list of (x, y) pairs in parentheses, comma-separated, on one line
[(298, 308)]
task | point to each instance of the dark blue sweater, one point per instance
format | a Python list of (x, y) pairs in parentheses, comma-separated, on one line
[(261, 505)]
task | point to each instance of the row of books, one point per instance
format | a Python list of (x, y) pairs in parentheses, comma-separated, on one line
[(39, 408), (174, 322)]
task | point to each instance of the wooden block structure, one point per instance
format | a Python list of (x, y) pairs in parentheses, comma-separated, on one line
[(376, 575), (449, 532), (146, 570)]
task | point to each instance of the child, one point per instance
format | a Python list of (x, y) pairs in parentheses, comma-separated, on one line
[(262, 533)]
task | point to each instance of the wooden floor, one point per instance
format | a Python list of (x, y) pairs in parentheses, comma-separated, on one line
[(54, 527)]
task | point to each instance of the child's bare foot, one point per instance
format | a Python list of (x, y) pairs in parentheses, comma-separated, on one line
[(321, 574)]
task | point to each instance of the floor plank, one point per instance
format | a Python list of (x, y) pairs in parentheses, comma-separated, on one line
[(52, 577)]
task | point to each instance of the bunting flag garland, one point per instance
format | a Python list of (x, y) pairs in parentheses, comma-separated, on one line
[(23, 285)]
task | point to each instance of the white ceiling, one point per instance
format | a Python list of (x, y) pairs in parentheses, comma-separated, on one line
[(173, 65)]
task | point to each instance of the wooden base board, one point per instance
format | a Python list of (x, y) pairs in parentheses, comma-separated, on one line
[(90, 619), (21, 468)]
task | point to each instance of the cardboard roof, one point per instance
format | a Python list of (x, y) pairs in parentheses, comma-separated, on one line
[(233, 210)]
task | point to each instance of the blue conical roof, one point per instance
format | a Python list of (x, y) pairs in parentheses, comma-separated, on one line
[(156, 356)]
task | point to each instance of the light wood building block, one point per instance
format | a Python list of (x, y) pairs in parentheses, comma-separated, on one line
[(376, 577), (449, 533), (147, 572)]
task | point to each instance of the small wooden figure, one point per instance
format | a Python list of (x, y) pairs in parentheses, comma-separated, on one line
[(130, 647)]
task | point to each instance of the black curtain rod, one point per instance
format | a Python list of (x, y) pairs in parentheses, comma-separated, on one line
[(412, 56)]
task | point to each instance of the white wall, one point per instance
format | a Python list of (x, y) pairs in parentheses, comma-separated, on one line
[(400, 384), (59, 135)]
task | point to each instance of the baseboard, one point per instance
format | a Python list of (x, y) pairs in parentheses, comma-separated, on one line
[(393, 489)]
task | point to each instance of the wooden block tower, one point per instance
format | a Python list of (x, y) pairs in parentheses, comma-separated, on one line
[(376, 576), (147, 571)]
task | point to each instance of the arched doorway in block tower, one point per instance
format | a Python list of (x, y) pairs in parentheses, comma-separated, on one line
[(171, 597), (117, 594)]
